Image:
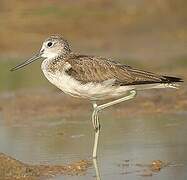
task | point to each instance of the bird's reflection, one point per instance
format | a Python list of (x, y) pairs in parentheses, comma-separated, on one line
[(96, 169)]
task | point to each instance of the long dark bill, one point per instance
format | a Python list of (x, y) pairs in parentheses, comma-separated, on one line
[(32, 59)]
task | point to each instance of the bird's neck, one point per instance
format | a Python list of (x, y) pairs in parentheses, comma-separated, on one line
[(51, 64), (61, 57)]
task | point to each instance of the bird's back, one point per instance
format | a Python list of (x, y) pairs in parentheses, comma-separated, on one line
[(98, 69)]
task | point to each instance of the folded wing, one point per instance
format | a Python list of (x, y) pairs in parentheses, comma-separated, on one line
[(87, 69)]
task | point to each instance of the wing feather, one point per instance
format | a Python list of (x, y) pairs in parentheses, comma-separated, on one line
[(97, 69)]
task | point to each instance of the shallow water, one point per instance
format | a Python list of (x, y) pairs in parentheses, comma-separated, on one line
[(133, 140)]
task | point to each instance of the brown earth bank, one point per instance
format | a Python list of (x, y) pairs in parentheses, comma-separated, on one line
[(23, 105), (11, 168)]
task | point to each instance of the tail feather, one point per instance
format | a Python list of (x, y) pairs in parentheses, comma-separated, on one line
[(170, 79)]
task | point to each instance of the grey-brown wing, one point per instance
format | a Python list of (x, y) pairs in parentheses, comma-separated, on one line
[(97, 69)]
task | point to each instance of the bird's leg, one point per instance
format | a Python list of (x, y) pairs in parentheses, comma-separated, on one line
[(96, 169), (95, 118), (96, 125), (131, 95)]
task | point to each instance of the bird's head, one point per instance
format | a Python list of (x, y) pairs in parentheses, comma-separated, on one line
[(55, 46), (52, 47)]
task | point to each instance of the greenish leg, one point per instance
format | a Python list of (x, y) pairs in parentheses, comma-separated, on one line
[(95, 118)]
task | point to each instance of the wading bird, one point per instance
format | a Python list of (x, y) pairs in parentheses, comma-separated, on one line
[(94, 78)]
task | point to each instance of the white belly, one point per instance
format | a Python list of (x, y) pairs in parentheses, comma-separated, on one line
[(92, 91)]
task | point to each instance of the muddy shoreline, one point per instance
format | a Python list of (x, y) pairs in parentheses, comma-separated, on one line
[(11, 168)]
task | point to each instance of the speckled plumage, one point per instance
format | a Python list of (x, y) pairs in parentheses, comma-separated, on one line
[(85, 68), (96, 78), (98, 69)]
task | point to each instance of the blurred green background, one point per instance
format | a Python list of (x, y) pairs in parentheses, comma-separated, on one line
[(149, 34)]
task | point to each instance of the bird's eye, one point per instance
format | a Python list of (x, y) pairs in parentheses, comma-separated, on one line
[(49, 44)]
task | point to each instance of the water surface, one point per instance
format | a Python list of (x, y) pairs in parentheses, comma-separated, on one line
[(136, 140)]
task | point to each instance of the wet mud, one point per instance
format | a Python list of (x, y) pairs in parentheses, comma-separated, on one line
[(11, 168)]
